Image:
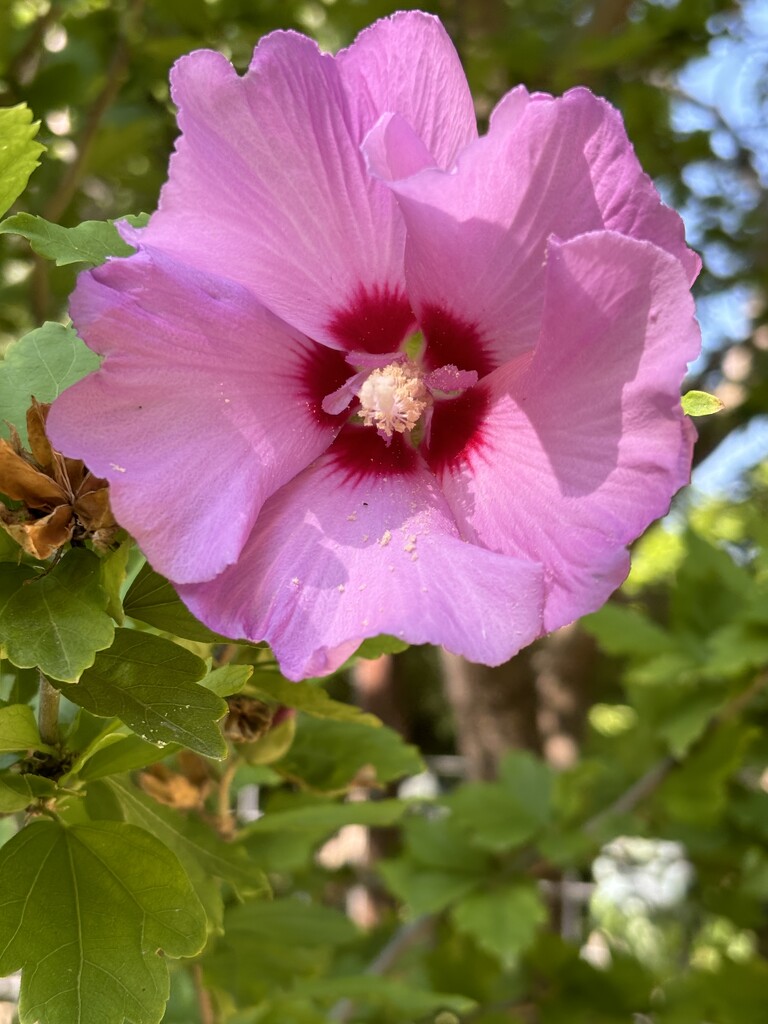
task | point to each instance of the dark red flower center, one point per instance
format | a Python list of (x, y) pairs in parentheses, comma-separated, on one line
[(427, 401)]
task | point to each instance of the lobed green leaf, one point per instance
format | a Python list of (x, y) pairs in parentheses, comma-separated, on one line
[(55, 620), (204, 855), (90, 243), (18, 152), (85, 912), (504, 920), (498, 816), (150, 684), (328, 755), (43, 363)]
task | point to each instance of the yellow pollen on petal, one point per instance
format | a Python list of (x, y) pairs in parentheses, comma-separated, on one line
[(392, 399)]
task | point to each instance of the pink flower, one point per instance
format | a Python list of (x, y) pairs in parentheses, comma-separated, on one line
[(267, 440)]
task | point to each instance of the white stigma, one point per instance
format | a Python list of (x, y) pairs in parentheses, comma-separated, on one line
[(393, 398)]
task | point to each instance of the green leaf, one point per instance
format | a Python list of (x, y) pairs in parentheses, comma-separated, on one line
[(149, 683), (91, 242), (114, 566), (375, 646), (502, 921), (202, 853), (86, 910), (228, 679), (123, 755), (700, 403), (734, 649), (281, 1010), (498, 816), (55, 620), (327, 755), (328, 817), (284, 840), (18, 729), (267, 945), (291, 921), (15, 794), (426, 890), (710, 589), (19, 791), (43, 363), (18, 152), (438, 866), (696, 793), (152, 599), (683, 724), (371, 991), (311, 698), (620, 630)]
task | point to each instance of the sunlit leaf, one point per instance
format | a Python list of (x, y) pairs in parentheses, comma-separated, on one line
[(55, 620), (43, 363), (86, 911), (18, 152), (91, 242), (700, 403)]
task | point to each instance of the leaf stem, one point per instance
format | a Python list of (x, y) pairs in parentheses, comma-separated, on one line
[(48, 712), (225, 820), (204, 1001)]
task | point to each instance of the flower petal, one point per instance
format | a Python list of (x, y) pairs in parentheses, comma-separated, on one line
[(571, 456), (268, 186), (199, 413), (406, 64), (477, 236), (362, 543)]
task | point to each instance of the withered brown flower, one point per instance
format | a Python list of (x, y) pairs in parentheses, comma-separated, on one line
[(61, 499)]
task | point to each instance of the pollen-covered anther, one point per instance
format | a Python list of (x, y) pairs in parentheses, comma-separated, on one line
[(393, 398)]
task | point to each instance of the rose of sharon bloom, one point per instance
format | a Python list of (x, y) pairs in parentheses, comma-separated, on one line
[(371, 373)]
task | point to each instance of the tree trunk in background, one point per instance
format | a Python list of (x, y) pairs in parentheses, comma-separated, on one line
[(494, 709), (537, 701), (563, 664)]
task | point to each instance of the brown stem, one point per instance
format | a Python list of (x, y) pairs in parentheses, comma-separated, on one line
[(116, 71), (204, 1001), (636, 793), (48, 712), (225, 821), (24, 63)]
